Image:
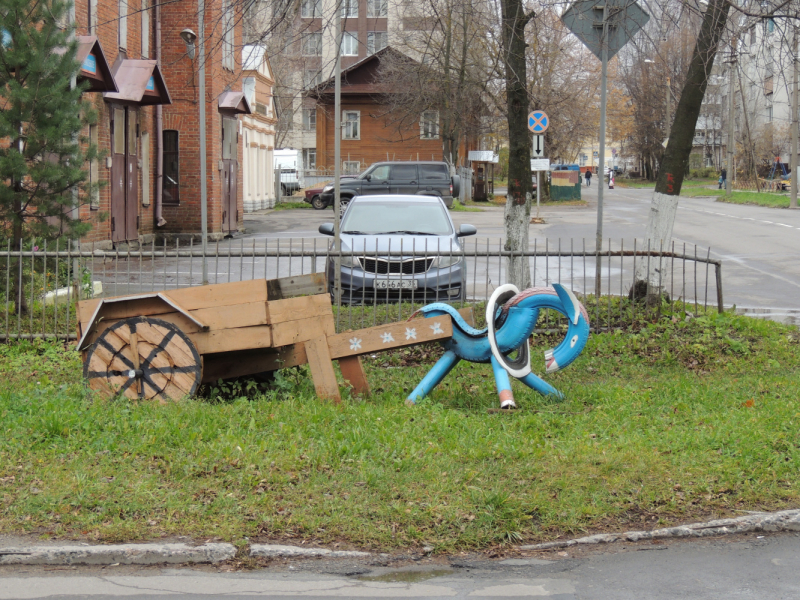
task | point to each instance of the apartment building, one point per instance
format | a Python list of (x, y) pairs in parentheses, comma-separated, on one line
[(148, 119)]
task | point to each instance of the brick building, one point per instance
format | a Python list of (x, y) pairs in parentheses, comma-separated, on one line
[(149, 127)]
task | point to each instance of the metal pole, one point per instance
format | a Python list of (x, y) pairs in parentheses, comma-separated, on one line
[(793, 162), (201, 15), (602, 152), (337, 158), (538, 190), (731, 104)]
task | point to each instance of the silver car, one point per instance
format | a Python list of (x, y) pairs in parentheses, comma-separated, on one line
[(398, 247)]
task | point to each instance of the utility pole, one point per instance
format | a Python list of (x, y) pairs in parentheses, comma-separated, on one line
[(602, 154), (666, 121), (793, 160), (731, 105), (337, 157), (201, 48)]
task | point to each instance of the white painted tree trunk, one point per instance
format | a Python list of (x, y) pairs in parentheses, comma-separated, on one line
[(658, 236), (517, 219)]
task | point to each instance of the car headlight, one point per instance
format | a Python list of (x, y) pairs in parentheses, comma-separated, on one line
[(446, 261), (327, 188)]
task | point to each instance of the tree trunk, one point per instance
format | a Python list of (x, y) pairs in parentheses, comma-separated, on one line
[(518, 201), (676, 157)]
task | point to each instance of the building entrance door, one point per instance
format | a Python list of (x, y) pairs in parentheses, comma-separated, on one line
[(124, 174), (230, 172)]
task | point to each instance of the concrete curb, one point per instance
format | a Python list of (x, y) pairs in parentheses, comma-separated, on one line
[(124, 554), (785, 520), (275, 551)]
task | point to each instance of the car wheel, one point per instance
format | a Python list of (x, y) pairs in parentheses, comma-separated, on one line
[(343, 202), (317, 202)]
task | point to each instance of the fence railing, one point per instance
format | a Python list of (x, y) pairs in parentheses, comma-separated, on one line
[(39, 284)]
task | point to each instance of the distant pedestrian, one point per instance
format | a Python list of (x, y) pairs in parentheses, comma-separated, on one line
[(723, 175), (611, 179), (588, 176)]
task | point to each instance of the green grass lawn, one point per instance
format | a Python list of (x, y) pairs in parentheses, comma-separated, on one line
[(681, 420), (292, 205), (757, 198)]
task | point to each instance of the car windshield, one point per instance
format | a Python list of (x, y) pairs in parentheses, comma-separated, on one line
[(376, 218)]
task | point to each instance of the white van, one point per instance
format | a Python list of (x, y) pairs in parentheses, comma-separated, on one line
[(288, 161)]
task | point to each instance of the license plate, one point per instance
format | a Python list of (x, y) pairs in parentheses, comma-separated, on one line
[(396, 284)]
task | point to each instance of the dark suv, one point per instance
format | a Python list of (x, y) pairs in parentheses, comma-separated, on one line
[(421, 178)]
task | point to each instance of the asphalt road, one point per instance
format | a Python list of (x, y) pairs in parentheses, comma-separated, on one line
[(758, 246), (743, 567)]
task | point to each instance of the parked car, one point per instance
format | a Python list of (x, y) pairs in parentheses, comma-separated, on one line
[(314, 196), (406, 241), (424, 178)]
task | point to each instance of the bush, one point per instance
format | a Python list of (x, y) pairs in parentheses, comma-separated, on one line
[(703, 173)]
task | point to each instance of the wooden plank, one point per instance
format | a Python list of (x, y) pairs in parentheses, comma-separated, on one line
[(295, 309), (247, 314), (393, 335), (319, 362), (227, 340), (353, 373), (220, 294), (301, 285), (292, 332), (248, 362)]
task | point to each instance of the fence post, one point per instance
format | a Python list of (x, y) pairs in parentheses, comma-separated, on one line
[(718, 273)]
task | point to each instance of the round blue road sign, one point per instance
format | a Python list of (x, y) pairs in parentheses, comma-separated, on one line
[(538, 121)]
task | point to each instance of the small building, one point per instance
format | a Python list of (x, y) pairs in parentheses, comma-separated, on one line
[(258, 173), (482, 162)]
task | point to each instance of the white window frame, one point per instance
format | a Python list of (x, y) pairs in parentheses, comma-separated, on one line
[(227, 34), (371, 41), (309, 119), (377, 8), (349, 9), (351, 166), (311, 9), (347, 129), (309, 81), (310, 158), (146, 28), (123, 24), (429, 125), (349, 44), (309, 48)]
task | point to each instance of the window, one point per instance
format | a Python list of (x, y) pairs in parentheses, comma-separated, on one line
[(433, 172), (310, 119), (429, 125), (351, 167), (227, 35), (146, 28), (311, 78), (380, 173), (350, 8), (310, 9), (377, 8), (404, 172), (770, 25), (769, 112), (310, 158), (123, 23), (351, 119), (312, 44), (171, 188), (376, 40), (350, 44), (94, 172)]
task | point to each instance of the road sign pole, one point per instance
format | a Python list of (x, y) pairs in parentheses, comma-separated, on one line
[(602, 154), (538, 191)]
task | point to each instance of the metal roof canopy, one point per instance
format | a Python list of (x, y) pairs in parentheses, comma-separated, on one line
[(585, 19), (139, 82), (94, 66), (233, 103)]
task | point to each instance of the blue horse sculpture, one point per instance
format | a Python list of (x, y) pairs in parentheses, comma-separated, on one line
[(511, 316)]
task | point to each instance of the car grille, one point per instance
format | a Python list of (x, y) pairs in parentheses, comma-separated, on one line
[(380, 266)]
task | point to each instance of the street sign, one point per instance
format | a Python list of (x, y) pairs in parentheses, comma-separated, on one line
[(595, 154), (538, 121), (537, 150), (540, 164), (623, 19)]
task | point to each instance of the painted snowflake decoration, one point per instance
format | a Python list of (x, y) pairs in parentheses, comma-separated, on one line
[(437, 328), (355, 344), (411, 333), (387, 337)]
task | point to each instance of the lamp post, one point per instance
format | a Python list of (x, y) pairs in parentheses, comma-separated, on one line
[(189, 37)]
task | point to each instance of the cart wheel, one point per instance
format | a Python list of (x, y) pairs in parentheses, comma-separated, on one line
[(165, 364)]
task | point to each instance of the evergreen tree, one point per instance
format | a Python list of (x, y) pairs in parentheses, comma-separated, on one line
[(43, 159)]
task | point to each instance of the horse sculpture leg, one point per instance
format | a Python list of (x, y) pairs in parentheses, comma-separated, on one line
[(434, 377), (503, 385), (541, 386)]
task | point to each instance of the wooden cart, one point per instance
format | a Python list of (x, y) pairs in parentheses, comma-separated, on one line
[(164, 345)]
